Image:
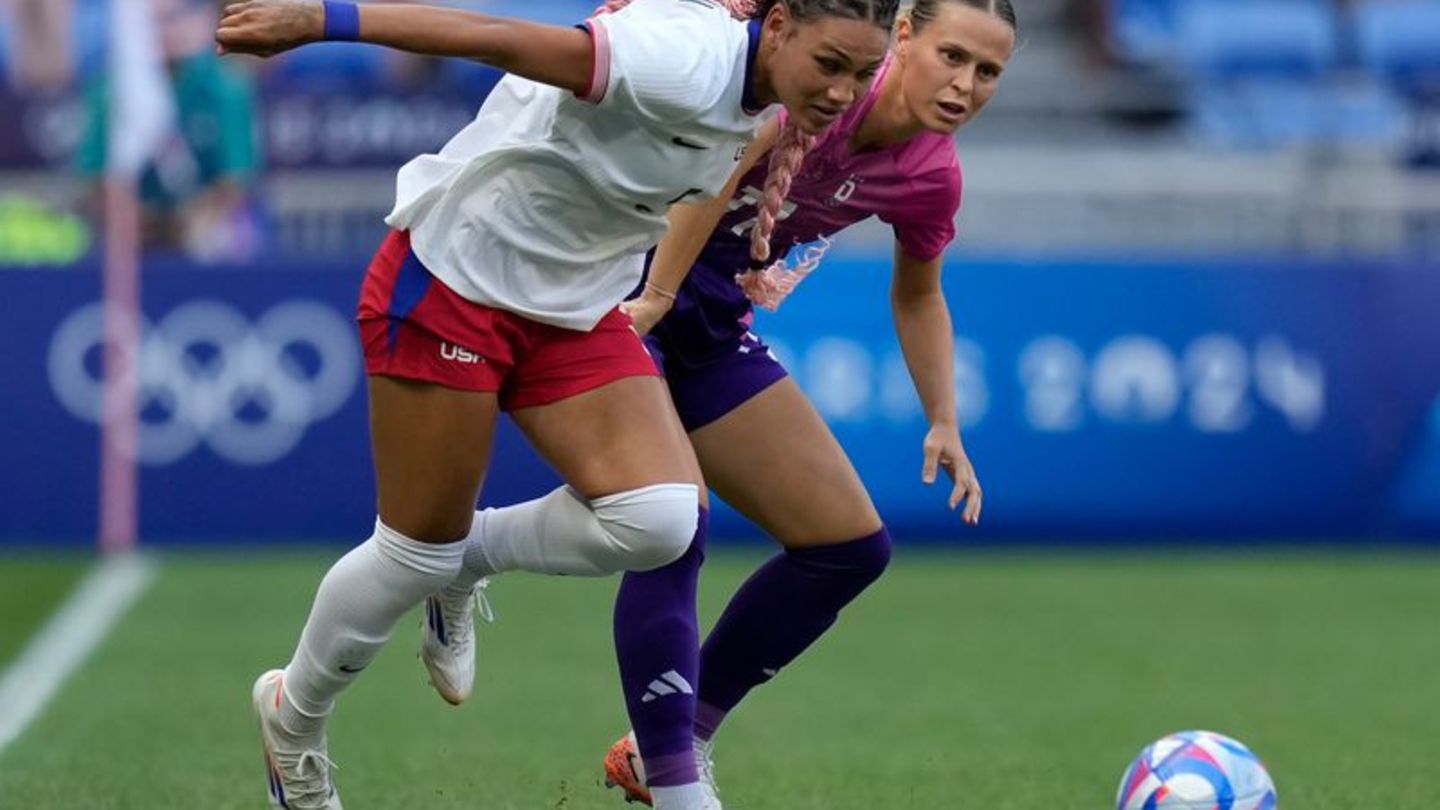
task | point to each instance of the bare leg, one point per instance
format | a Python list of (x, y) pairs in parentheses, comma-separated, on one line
[(774, 459)]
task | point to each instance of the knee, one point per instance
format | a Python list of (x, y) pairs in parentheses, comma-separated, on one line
[(655, 525), (876, 554), (859, 561)]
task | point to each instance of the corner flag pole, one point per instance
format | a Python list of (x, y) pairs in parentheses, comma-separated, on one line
[(141, 111)]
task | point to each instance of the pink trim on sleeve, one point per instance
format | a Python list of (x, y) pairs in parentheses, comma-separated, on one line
[(600, 62)]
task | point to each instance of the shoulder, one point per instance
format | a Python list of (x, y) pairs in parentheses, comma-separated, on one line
[(675, 57)]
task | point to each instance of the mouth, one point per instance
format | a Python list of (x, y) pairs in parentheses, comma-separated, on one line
[(825, 114), (952, 111)]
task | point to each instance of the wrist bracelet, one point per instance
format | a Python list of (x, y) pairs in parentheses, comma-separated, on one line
[(342, 22), (660, 291)]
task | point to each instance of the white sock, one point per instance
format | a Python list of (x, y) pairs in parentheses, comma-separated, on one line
[(356, 607), (562, 533), (679, 797)]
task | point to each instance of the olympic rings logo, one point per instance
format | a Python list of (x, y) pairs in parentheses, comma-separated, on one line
[(206, 374)]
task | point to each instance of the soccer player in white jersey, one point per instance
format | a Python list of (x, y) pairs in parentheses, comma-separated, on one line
[(498, 291)]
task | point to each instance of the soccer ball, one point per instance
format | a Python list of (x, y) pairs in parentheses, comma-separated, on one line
[(1196, 770)]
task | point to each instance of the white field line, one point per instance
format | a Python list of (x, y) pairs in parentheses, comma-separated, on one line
[(63, 644)]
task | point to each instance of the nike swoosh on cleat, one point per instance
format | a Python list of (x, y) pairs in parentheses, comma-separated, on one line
[(350, 670), (679, 141)]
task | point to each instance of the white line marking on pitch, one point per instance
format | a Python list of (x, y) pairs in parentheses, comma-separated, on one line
[(63, 644)]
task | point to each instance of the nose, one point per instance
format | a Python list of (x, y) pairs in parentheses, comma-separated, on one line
[(964, 80), (842, 93)]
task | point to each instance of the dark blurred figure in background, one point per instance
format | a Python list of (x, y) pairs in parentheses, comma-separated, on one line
[(197, 192)]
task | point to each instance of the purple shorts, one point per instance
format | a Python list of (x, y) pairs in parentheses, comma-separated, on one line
[(711, 360)]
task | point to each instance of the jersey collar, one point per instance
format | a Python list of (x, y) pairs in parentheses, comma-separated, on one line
[(748, 102)]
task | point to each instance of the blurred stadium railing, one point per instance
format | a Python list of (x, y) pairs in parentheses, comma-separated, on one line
[(1198, 266)]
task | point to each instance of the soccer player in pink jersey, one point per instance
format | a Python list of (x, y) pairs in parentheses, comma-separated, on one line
[(761, 445), (498, 290)]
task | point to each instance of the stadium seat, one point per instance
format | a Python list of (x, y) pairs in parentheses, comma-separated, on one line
[(1400, 39), (1142, 32), (1257, 37), (1272, 112)]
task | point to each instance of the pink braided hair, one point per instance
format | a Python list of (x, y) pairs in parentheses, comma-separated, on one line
[(767, 285)]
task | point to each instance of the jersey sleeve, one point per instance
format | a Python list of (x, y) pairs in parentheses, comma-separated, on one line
[(665, 60), (925, 223)]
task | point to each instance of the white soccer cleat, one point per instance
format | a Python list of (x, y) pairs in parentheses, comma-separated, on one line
[(447, 644), (298, 768), (705, 763), (625, 769)]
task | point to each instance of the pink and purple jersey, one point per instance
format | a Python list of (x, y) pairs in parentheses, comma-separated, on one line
[(711, 358), (914, 186)]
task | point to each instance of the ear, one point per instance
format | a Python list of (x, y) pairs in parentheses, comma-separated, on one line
[(776, 26), (904, 32)]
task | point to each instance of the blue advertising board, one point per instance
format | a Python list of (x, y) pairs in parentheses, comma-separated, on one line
[(1100, 401)]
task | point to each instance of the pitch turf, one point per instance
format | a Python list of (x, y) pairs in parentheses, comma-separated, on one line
[(993, 683), (30, 589)]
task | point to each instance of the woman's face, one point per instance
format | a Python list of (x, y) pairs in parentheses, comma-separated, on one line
[(819, 67), (952, 66)]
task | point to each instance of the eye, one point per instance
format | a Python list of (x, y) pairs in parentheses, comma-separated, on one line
[(830, 67), (956, 57), (866, 75), (989, 72)]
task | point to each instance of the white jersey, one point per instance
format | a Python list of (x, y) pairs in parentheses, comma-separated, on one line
[(545, 204)]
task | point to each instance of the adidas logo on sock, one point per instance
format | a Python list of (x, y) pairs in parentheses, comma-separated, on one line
[(668, 684)]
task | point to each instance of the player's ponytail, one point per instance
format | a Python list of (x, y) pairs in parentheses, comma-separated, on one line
[(767, 282)]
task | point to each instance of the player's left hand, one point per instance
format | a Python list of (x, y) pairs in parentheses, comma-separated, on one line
[(944, 450)]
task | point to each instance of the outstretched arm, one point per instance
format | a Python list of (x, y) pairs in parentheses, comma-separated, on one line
[(556, 55), (691, 225), (922, 323)]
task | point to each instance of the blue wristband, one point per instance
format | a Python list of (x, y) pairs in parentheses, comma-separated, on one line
[(342, 22)]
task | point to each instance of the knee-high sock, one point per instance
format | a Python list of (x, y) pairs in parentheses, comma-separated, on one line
[(656, 640), (357, 605), (563, 533), (778, 613)]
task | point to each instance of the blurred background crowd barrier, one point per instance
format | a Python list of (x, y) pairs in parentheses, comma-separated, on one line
[(1197, 284)]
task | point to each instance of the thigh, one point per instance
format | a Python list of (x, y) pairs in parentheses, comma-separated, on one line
[(620, 436), (774, 459), (431, 446)]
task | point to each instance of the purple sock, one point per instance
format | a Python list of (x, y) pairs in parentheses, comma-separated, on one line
[(778, 613), (657, 640)]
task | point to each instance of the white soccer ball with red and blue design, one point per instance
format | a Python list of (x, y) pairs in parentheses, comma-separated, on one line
[(1196, 770)]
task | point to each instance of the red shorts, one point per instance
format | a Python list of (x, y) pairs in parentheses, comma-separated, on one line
[(413, 326)]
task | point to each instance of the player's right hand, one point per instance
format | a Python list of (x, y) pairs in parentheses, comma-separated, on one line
[(646, 311), (268, 27)]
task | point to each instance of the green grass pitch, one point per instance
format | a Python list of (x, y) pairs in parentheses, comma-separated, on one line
[(30, 589), (992, 682)]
